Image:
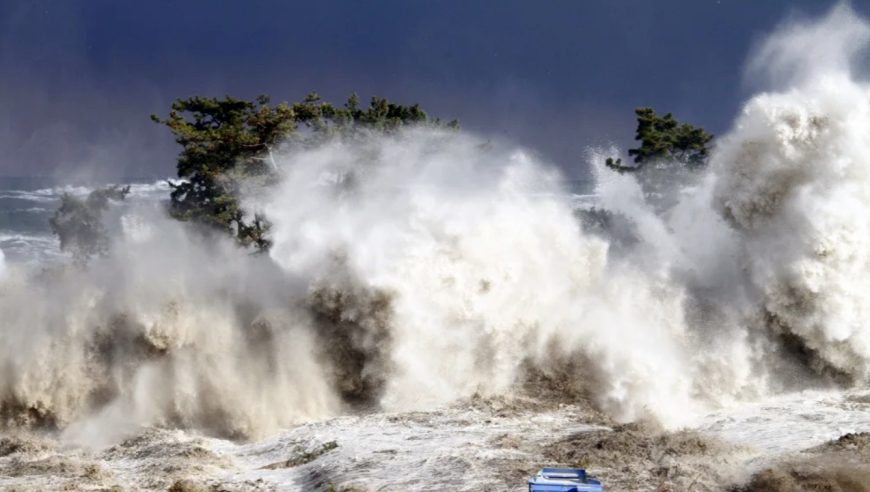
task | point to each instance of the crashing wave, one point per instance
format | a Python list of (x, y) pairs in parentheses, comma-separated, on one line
[(440, 272)]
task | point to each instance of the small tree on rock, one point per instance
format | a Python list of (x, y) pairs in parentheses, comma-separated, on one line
[(665, 140), (79, 226), (669, 153), (228, 142)]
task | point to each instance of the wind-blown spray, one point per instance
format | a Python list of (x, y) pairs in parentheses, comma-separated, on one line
[(793, 180), (486, 268), (413, 270)]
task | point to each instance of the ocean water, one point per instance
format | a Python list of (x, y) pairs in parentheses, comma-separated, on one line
[(446, 275), (27, 203)]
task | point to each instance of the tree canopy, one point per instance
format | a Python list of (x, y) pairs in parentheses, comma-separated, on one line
[(227, 141), (79, 225), (664, 139)]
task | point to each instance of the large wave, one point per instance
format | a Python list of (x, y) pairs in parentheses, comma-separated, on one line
[(793, 180), (413, 270), (485, 269)]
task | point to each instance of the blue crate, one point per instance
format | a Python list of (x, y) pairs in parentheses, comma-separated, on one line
[(563, 480)]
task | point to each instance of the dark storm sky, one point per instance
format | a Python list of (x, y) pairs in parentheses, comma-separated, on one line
[(78, 78)]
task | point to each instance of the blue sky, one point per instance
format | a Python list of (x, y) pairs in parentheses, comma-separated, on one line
[(79, 78)]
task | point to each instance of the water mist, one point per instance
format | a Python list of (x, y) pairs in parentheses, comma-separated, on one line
[(414, 270)]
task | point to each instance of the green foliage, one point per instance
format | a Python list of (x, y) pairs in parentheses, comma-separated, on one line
[(228, 142), (79, 226), (665, 162), (664, 139)]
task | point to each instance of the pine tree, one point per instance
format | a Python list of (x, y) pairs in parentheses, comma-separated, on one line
[(227, 142), (664, 139)]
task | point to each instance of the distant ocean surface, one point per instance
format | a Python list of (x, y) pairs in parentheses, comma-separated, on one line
[(26, 204)]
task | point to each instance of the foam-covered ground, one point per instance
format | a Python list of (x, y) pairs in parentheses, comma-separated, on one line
[(482, 444), (469, 447)]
